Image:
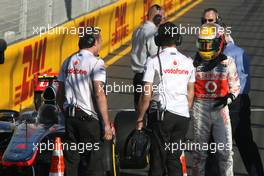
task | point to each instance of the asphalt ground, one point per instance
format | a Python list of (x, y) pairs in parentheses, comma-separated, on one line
[(246, 19)]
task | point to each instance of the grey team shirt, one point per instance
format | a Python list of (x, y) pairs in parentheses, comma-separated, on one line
[(143, 43)]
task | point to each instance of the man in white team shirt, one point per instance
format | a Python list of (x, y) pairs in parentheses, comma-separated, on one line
[(168, 116), (143, 46), (84, 103)]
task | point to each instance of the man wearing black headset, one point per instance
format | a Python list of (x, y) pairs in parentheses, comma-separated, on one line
[(211, 15), (169, 104), (143, 46), (82, 98)]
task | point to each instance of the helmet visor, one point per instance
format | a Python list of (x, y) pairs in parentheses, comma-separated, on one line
[(207, 44)]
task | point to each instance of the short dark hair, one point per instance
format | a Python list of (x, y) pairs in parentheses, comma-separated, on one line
[(210, 9), (168, 34), (88, 37), (156, 6)]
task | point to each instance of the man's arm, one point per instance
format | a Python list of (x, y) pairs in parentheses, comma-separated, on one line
[(233, 83), (103, 108), (143, 104), (190, 88), (60, 98), (233, 79)]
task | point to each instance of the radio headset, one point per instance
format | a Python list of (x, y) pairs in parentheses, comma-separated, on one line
[(218, 18)]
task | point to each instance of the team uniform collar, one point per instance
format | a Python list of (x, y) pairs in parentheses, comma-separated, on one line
[(85, 51), (171, 50), (150, 23)]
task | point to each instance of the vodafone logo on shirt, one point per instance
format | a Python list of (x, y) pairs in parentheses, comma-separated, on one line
[(211, 86), (175, 70), (175, 63), (76, 70)]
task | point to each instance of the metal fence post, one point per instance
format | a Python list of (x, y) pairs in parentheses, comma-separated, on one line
[(49, 6), (87, 5), (23, 19)]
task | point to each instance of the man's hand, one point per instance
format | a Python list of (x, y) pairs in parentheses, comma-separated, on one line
[(190, 89), (143, 104), (140, 124), (108, 132), (102, 106)]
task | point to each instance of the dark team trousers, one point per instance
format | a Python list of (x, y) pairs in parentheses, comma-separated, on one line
[(171, 130), (86, 131), (137, 82), (242, 134)]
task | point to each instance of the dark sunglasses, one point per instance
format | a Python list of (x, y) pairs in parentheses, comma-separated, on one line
[(209, 20)]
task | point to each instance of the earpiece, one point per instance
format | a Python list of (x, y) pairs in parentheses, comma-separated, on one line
[(178, 40), (87, 41), (219, 20), (157, 39), (90, 39)]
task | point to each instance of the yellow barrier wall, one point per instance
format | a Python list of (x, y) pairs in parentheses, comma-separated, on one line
[(46, 53)]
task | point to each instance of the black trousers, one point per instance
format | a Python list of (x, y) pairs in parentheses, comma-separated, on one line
[(88, 159), (242, 134), (137, 83), (166, 133)]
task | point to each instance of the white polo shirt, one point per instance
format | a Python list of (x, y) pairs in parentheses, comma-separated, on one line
[(178, 71), (83, 68)]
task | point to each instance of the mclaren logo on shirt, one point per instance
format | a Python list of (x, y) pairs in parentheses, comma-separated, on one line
[(175, 69)]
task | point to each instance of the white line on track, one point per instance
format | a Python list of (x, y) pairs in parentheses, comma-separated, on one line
[(257, 109)]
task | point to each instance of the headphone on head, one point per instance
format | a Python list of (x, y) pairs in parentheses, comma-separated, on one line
[(87, 40), (161, 38), (218, 18)]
